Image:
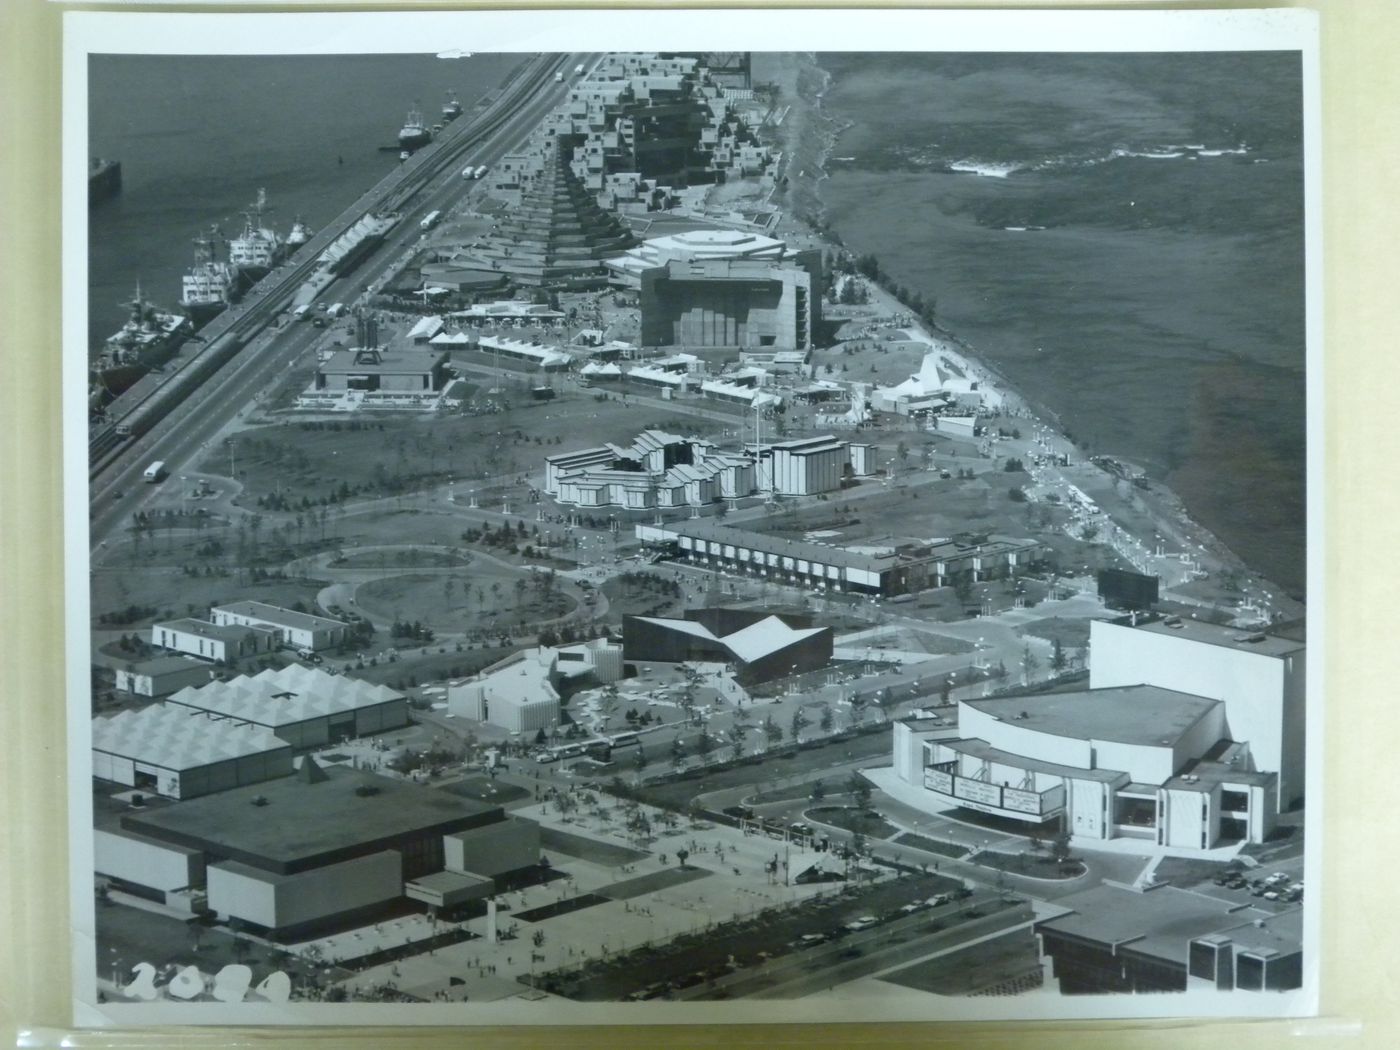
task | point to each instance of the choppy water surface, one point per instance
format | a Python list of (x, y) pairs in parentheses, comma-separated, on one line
[(1123, 236)]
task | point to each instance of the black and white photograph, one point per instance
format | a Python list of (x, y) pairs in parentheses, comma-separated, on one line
[(579, 526)]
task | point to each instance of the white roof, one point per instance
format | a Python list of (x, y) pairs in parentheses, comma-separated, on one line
[(659, 375), (543, 354), (699, 245), (749, 643), (282, 697), (593, 368), (177, 738), (450, 339), (426, 327)]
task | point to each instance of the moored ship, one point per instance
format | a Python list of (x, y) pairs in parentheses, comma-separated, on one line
[(414, 134), (257, 249), (299, 234), (147, 340), (452, 108), (210, 285)]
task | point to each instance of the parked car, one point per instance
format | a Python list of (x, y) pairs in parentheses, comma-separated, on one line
[(863, 923)]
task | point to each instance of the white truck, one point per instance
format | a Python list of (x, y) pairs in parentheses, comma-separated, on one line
[(302, 312), (578, 70), (430, 220), (469, 172), (335, 310), (155, 472)]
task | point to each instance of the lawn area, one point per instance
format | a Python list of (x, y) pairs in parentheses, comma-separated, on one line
[(554, 840), (1008, 957), (1035, 865), (766, 769), (172, 592), (383, 456), (642, 594), (928, 845), (404, 558), (860, 821), (652, 882), (1072, 634), (491, 599)]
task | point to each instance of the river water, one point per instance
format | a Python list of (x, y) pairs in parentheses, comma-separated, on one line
[(1159, 311), (198, 136)]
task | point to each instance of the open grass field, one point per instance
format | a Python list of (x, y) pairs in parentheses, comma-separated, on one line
[(171, 592), (485, 600), (415, 557), (385, 454)]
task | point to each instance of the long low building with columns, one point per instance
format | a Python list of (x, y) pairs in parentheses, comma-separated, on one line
[(905, 569)]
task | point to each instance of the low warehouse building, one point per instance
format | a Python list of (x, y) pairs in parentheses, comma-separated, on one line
[(327, 847), (760, 646), (298, 630), (177, 752), (304, 706), (162, 676), (517, 694), (1115, 940), (211, 642)]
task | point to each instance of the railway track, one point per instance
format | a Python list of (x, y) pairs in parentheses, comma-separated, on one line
[(107, 444)]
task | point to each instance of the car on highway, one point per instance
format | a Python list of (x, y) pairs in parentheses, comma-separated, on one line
[(863, 923)]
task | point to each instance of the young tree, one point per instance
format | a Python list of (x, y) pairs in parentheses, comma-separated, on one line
[(818, 789), (1030, 663), (827, 719), (1057, 658), (772, 730), (859, 789)]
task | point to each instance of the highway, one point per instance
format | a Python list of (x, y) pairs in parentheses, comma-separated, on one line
[(431, 180)]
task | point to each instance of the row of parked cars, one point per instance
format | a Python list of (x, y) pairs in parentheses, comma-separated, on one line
[(1276, 887)]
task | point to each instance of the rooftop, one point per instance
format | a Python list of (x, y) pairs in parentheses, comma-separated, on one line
[(1160, 923), (189, 625), (166, 665), (1133, 714), (178, 738), (291, 694), (750, 643), (1230, 637), (276, 614), (364, 362), (301, 824)]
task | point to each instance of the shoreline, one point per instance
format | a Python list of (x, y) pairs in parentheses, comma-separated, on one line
[(809, 145)]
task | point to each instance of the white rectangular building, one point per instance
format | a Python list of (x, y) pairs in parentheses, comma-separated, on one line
[(517, 694), (212, 642), (298, 630), (1259, 677), (177, 752), (162, 676), (304, 706)]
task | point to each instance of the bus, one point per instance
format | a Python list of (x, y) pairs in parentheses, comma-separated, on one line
[(155, 472), (302, 312), (430, 220)]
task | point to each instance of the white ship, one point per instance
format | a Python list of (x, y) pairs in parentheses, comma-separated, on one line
[(257, 249), (210, 285)]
